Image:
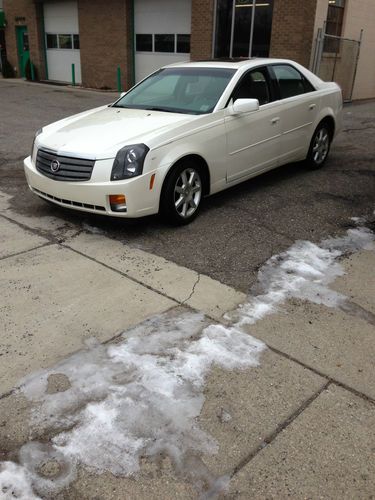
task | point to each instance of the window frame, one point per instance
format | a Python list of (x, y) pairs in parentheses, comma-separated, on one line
[(57, 35), (152, 43), (153, 39)]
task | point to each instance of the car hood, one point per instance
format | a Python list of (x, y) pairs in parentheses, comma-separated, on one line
[(101, 132)]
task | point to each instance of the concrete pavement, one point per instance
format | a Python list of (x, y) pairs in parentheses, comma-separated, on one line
[(300, 424)]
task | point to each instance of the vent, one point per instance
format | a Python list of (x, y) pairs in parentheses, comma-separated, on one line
[(69, 203)]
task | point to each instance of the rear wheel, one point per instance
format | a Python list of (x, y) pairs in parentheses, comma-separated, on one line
[(319, 147), (182, 194)]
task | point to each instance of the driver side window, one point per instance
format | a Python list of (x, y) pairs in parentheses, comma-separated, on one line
[(253, 85)]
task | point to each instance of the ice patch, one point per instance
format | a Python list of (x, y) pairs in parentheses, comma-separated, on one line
[(15, 483), (139, 398), (142, 396), (92, 229), (304, 271)]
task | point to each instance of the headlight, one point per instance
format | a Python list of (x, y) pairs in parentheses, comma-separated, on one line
[(38, 132), (129, 162)]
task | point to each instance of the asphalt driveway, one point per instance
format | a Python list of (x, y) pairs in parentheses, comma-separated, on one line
[(239, 229)]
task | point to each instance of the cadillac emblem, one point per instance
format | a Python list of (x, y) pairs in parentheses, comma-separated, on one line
[(55, 165)]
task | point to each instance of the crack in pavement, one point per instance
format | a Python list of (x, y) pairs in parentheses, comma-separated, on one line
[(16, 254), (193, 290), (280, 428)]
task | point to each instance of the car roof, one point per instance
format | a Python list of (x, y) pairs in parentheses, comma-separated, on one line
[(230, 63)]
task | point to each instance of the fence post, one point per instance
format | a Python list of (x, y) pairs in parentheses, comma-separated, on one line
[(32, 69), (119, 87), (73, 75)]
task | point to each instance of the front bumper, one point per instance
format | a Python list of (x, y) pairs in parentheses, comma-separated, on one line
[(93, 196)]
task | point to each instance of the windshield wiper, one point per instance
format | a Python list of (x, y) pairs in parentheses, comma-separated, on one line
[(158, 108)]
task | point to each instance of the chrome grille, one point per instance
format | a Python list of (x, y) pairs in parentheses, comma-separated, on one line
[(70, 169)]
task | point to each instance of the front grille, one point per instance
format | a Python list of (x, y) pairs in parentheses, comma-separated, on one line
[(69, 169), (69, 202)]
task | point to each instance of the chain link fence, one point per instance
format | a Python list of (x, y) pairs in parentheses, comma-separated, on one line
[(336, 60)]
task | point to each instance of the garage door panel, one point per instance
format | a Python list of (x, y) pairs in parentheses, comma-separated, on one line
[(160, 17), (61, 18), (60, 65)]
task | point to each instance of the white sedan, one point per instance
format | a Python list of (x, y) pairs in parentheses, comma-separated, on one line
[(186, 131)]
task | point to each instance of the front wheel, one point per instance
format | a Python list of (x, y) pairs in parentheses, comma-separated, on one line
[(319, 147), (182, 194)]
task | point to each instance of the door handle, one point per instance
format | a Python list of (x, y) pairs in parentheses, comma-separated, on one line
[(275, 120), (312, 106)]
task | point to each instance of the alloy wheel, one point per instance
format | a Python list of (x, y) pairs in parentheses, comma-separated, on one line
[(187, 193), (320, 146)]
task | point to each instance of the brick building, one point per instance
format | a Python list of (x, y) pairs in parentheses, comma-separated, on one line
[(103, 38)]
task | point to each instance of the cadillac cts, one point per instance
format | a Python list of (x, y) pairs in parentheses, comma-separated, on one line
[(187, 131)]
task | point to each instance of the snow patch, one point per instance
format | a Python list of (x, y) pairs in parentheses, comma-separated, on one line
[(15, 482), (304, 271), (142, 396), (139, 398)]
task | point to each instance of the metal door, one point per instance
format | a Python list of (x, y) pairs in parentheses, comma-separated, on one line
[(22, 48)]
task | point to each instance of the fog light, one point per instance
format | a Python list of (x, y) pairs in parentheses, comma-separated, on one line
[(117, 202)]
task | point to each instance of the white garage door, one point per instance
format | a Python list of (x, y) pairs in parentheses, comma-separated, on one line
[(162, 34), (62, 40)]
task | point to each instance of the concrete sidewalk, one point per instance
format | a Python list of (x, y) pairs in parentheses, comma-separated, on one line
[(299, 425)]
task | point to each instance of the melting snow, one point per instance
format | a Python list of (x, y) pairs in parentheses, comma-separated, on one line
[(142, 396), (15, 482), (304, 271)]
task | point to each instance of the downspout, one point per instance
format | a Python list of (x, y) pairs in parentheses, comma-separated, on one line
[(44, 39), (133, 40)]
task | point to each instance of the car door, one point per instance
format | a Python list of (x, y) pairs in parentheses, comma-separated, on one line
[(253, 139), (300, 105)]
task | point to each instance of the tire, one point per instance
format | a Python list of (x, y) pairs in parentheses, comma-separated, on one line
[(182, 193), (319, 146)]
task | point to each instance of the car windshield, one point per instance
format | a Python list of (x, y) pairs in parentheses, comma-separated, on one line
[(179, 90)]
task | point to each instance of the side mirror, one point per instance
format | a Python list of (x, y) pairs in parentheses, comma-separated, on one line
[(122, 94), (244, 106)]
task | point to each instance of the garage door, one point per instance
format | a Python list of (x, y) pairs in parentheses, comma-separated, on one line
[(62, 40), (162, 34)]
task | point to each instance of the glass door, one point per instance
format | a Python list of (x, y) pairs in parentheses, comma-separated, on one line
[(243, 28)]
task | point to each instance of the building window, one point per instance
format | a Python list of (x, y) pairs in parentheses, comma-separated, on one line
[(170, 43), (51, 41), (248, 33), (334, 24), (65, 41), (183, 44), (75, 41), (335, 17), (143, 43), (164, 43), (62, 41)]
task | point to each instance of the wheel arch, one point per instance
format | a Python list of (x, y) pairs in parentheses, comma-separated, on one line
[(327, 116), (200, 162), (330, 121)]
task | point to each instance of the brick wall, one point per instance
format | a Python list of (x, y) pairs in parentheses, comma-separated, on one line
[(32, 15), (105, 36), (293, 29), (202, 16)]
